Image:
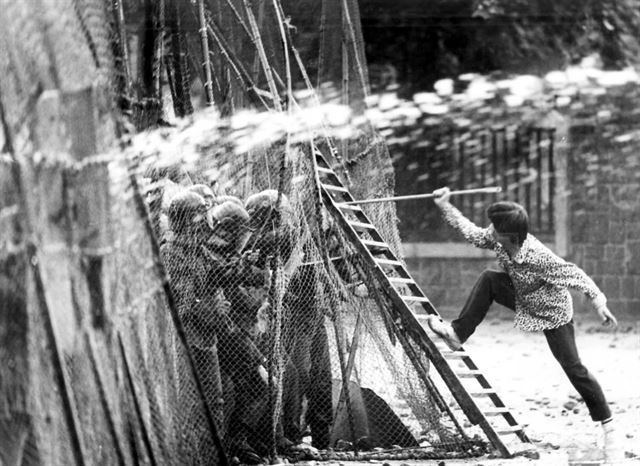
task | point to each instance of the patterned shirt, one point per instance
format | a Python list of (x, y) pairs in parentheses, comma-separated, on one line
[(540, 278)]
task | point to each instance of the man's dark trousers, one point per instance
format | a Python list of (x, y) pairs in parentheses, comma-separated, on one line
[(497, 286)]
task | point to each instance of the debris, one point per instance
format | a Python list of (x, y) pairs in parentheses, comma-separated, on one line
[(531, 454)]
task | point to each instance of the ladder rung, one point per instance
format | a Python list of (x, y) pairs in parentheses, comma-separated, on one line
[(388, 262), (483, 392), (407, 281), (344, 206), (495, 411), (469, 373), (338, 199), (454, 354), (416, 299), (441, 347), (364, 226), (508, 430), (332, 187), (325, 170), (375, 244)]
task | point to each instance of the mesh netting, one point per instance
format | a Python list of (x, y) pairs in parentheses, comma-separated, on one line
[(293, 332), (188, 299)]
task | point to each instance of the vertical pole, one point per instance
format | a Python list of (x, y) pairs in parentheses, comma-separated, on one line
[(494, 158), (345, 77), (68, 404), (539, 219), (338, 326), (351, 34), (206, 60), (560, 193), (505, 161), (461, 167), (122, 36), (552, 179), (136, 404), (472, 179), (527, 162), (483, 152), (257, 40), (178, 68), (103, 399), (124, 78), (345, 398), (255, 68), (516, 162), (159, 51)]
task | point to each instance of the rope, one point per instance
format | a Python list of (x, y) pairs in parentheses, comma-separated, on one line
[(440, 451)]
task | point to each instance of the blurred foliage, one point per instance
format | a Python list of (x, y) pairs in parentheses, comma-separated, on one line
[(426, 41)]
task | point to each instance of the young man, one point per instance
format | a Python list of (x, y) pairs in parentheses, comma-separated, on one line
[(535, 284)]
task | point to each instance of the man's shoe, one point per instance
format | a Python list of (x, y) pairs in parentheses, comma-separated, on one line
[(445, 331), (613, 445)]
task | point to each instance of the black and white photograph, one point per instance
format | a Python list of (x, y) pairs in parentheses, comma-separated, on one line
[(320, 232)]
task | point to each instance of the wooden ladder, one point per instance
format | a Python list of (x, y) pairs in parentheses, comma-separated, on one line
[(404, 292)]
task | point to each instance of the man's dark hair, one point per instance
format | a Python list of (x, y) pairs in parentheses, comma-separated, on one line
[(509, 218)]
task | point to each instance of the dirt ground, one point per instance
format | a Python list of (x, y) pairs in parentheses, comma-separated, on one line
[(530, 381), (520, 366)]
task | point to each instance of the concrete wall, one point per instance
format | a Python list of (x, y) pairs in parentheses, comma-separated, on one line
[(605, 199)]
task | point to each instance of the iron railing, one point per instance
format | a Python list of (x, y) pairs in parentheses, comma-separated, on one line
[(519, 159)]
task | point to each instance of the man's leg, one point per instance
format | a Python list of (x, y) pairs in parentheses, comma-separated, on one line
[(562, 343), (491, 286), (563, 346)]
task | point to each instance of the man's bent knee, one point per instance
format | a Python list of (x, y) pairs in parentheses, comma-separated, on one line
[(574, 368)]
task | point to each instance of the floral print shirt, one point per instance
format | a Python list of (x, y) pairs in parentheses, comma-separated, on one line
[(540, 278)]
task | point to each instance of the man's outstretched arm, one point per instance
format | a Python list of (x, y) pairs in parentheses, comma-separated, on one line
[(479, 237), (565, 274)]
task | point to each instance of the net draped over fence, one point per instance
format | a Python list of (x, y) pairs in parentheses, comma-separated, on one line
[(184, 301), (289, 331), (289, 334)]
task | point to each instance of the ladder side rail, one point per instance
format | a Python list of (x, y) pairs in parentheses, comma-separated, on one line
[(420, 337), (400, 268), (496, 400), (418, 334), (408, 319), (423, 371)]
